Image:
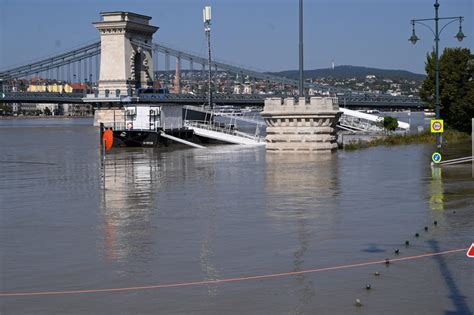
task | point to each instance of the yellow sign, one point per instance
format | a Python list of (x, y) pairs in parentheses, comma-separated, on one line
[(437, 126)]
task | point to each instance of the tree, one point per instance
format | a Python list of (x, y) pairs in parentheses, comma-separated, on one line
[(456, 87), (390, 123), (5, 109)]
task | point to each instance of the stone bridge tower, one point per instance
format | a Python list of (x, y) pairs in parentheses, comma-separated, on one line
[(126, 56)]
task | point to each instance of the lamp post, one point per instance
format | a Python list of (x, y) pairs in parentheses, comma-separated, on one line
[(301, 76), (436, 32), (206, 17)]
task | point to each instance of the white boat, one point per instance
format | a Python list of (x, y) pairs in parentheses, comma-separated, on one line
[(228, 110), (372, 111), (429, 113)]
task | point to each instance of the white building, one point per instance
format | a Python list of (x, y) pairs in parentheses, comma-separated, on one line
[(248, 89), (237, 85)]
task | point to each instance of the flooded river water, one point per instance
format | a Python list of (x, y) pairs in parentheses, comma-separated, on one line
[(152, 217)]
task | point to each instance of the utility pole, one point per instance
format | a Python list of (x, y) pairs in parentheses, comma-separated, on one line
[(206, 16), (301, 83)]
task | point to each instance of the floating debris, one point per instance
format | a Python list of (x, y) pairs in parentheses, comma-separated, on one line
[(358, 302)]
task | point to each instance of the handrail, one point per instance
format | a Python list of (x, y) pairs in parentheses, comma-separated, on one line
[(213, 127), (457, 161)]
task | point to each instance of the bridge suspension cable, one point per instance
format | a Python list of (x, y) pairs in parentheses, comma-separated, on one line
[(93, 49), (236, 69), (54, 62)]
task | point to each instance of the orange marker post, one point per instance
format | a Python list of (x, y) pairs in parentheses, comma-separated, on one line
[(108, 139)]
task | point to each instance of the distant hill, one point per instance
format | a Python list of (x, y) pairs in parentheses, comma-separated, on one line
[(345, 72)]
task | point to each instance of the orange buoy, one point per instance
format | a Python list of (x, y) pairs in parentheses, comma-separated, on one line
[(108, 139)]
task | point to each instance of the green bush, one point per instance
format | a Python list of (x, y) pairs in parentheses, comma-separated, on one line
[(390, 123)]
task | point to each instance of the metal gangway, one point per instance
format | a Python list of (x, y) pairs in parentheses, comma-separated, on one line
[(223, 132), (257, 120), (352, 120)]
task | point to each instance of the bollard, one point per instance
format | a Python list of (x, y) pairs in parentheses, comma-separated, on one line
[(101, 133)]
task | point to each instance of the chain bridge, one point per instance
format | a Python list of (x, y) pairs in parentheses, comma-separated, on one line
[(130, 62)]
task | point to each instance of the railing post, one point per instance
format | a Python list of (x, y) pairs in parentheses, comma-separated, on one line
[(101, 133)]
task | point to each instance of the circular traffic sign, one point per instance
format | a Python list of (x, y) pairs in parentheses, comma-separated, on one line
[(437, 125), (436, 157)]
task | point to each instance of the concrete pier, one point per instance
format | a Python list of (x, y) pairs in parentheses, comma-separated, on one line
[(301, 125)]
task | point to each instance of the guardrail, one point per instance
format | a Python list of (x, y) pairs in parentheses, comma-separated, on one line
[(42, 97)]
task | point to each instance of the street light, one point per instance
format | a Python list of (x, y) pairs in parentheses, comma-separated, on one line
[(436, 32), (301, 51), (206, 18)]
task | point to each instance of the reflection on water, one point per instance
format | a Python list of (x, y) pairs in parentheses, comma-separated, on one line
[(436, 189), (208, 268), (144, 187), (451, 190), (301, 189), (129, 180), (300, 186)]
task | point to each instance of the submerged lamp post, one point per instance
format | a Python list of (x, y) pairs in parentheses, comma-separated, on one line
[(206, 17), (301, 76), (436, 32)]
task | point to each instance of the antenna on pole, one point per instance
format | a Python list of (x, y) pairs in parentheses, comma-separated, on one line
[(206, 17)]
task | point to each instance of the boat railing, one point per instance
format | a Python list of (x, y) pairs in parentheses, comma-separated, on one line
[(222, 128), (115, 125), (255, 119)]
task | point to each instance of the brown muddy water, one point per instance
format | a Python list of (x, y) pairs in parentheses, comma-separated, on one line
[(191, 215)]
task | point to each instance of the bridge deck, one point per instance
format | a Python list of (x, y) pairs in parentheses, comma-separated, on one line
[(353, 101)]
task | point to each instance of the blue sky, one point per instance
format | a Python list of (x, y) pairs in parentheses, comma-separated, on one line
[(261, 34)]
